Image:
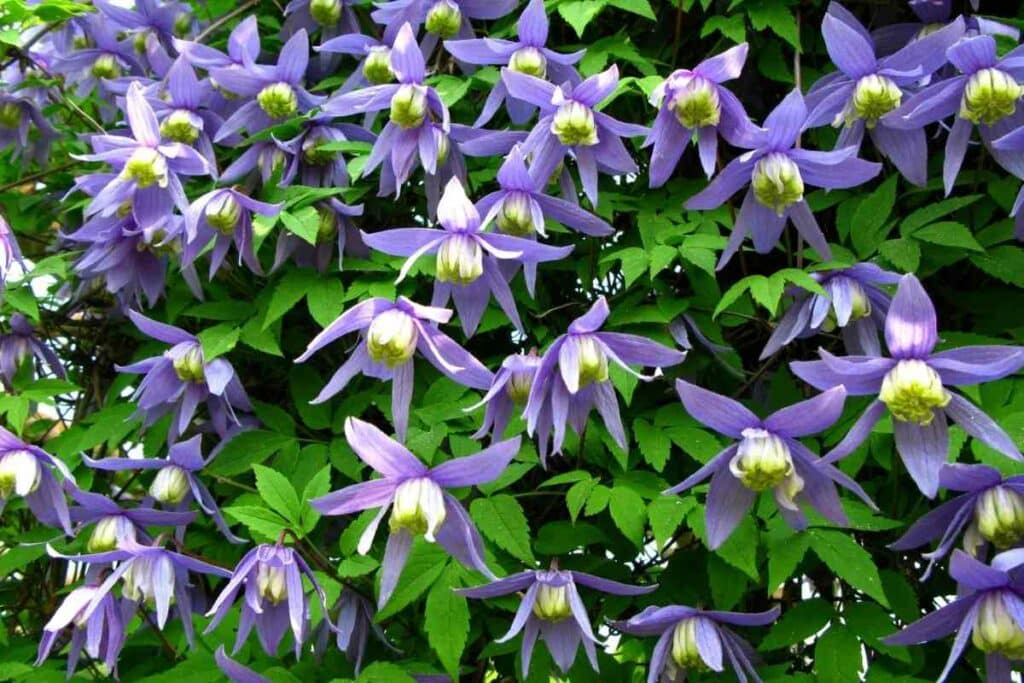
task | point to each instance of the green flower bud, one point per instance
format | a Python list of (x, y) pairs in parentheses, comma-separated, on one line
[(169, 485), (444, 19), (139, 41), (515, 217), (518, 387), (20, 474), (325, 12), (391, 338), (189, 367), (327, 227), (418, 508), (179, 127), (593, 361), (140, 580), (146, 166), (377, 65), (874, 97), (777, 182), (763, 461), (913, 390), (443, 145), (995, 629), (409, 106), (271, 583), (685, 652), (182, 24), (530, 61), (10, 115), (81, 42), (460, 260), (999, 514), (552, 603), (990, 96), (106, 533), (573, 124), (313, 152), (278, 100), (696, 104), (223, 212), (106, 66)]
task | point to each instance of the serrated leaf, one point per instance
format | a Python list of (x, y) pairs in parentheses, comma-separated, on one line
[(259, 520), (949, 234), (577, 496), (871, 216), (903, 253), (218, 340), (777, 17), (849, 561), (666, 513), (246, 449), (785, 550), (383, 672), (579, 13), (501, 519), (837, 656), (288, 291), (316, 487), (305, 223), (654, 443), (734, 27), (1005, 263), (799, 622), (629, 512), (425, 564), (325, 299), (934, 211), (278, 493), (446, 622), (640, 7)]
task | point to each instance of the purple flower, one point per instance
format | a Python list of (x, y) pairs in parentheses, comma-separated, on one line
[(989, 611), (311, 161), (236, 672), (854, 302), (509, 390), (148, 169), (146, 16), (182, 108), (224, 216), (933, 14), (10, 252), (414, 109), (443, 18), (1011, 145), (991, 508), (274, 93), (573, 378), (468, 258), (101, 633), (374, 66), (528, 55), (266, 156), (26, 471), (180, 379), (911, 385), (865, 89), (392, 332), (108, 58), (776, 171), (243, 48), (114, 524), (985, 93), (274, 598), (696, 639), (177, 481), (351, 629), (417, 498), (766, 455), (552, 609), (332, 16), (20, 344), (691, 103), (571, 125), (18, 113), (337, 233)]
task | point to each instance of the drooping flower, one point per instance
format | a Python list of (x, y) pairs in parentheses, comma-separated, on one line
[(10, 253), (274, 598), (766, 455), (1012, 144), (854, 303), (529, 55), (311, 161), (692, 104), (160, 18), (106, 57), (573, 378), (776, 171), (933, 15), (509, 390), (331, 17), (26, 471), (391, 334), (183, 113), (865, 89), (178, 380), (552, 609), (991, 509), (989, 611), (336, 234), (467, 258), (177, 481), (570, 124), (19, 113), (237, 673), (114, 524), (443, 18), (225, 216), (21, 344), (692, 639), (243, 48), (911, 385), (351, 629), (374, 66), (417, 498)]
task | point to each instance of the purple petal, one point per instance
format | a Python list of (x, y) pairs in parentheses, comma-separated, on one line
[(368, 494), (923, 449), (810, 416), (720, 461), (355, 318), (510, 584), (395, 554), (849, 48), (159, 331), (910, 326), (977, 364), (858, 433), (935, 625), (971, 54), (978, 424), (383, 454), (727, 503), (722, 414), (611, 587), (484, 467), (528, 88)]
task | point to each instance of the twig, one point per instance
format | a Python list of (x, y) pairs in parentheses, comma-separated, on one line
[(37, 176), (241, 9)]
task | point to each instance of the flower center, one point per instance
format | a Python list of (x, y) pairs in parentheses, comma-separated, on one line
[(278, 100), (874, 97), (530, 61), (189, 366), (573, 124), (593, 362), (106, 66), (391, 338), (995, 629), (444, 19), (552, 602), (140, 579), (377, 65), (314, 153), (990, 96), (222, 213), (685, 653), (696, 104), (409, 106), (515, 217), (179, 127), (20, 473), (913, 390), (10, 115), (169, 485), (999, 514), (270, 581), (327, 228), (418, 508), (762, 461), (146, 166), (107, 532), (460, 260), (777, 182), (519, 385), (325, 12)]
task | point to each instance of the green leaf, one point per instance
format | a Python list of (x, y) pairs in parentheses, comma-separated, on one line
[(316, 487), (325, 299), (424, 566), (577, 495), (382, 672), (501, 519), (218, 340), (949, 234), (935, 211), (446, 622), (785, 549), (277, 492), (1005, 263), (849, 561), (903, 253), (872, 623), (799, 622), (733, 28), (259, 520), (654, 443), (871, 216), (641, 7), (666, 513), (245, 450), (837, 656), (450, 89), (17, 557), (288, 291), (629, 512), (774, 15), (579, 13), (305, 223)]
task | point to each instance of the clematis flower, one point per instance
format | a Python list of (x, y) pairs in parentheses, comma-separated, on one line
[(911, 385), (243, 48), (1012, 144), (509, 390), (10, 253), (467, 257), (332, 17), (987, 611), (854, 303), (693, 105), (107, 58), (766, 455), (147, 169), (374, 66), (414, 108), (417, 498), (265, 156), (858, 97), (573, 378), (151, 576), (26, 471), (392, 333), (183, 113), (570, 124), (274, 598), (308, 158), (991, 509), (529, 55), (274, 93), (177, 481), (237, 673), (352, 628), (180, 379), (19, 113), (443, 18), (147, 16), (224, 216), (552, 609), (696, 639), (336, 233), (114, 524), (985, 93), (776, 171), (21, 344), (932, 15)]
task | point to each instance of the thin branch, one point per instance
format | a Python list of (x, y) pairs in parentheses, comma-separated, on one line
[(37, 176), (241, 9)]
